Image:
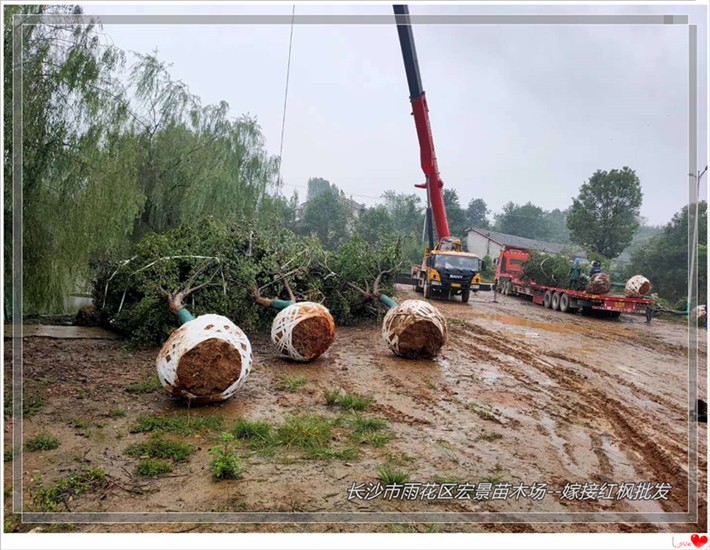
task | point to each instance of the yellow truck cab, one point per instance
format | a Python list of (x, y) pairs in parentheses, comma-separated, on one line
[(448, 271)]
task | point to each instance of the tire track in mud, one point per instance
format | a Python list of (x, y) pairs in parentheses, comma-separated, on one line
[(591, 403)]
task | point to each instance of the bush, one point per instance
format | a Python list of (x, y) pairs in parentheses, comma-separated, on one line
[(225, 460), (130, 299)]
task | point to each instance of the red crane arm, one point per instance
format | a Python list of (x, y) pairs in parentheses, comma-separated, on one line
[(420, 110)]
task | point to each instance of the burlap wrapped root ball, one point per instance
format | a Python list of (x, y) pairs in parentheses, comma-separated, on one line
[(303, 331), (700, 314), (600, 283), (414, 329), (205, 360), (637, 286)]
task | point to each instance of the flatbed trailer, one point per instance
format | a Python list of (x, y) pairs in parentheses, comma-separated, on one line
[(567, 300), (509, 281)]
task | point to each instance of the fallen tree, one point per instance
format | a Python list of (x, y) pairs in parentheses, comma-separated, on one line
[(129, 293)]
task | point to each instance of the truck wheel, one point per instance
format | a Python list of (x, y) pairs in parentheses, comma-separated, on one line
[(614, 314), (547, 299), (465, 293), (427, 290), (555, 303), (564, 303)]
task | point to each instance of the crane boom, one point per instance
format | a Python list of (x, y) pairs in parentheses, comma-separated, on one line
[(420, 110)]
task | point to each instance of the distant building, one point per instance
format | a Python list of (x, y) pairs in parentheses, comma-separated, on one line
[(484, 242)]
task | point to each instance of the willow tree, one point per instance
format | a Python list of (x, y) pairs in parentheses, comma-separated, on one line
[(195, 161), (78, 197)]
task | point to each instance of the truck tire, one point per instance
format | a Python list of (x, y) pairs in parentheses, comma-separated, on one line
[(547, 299), (465, 293), (555, 302), (613, 314), (564, 303)]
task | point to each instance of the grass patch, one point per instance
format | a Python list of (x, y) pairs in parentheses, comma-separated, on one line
[(225, 460), (176, 424), (362, 425), (291, 383), (162, 448), (117, 413), (389, 476), (349, 401), (247, 429), (49, 498), (370, 431), (149, 384), (374, 439), (7, 455), (307, 431), (32, 403), (154, 467), (80, 423), (489, 437), (42, 443)]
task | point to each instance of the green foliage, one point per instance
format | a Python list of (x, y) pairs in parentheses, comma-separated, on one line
[(351, 401), (226, 463), (159, 447), (131, 298), (7, 455), (307, 431), (391, 476), (247, 429), (455, 214), (153, 467), (328, 218), (48, 499), (663, 260), (42, 442), (477, 214), (316, 186), (291, 383), (525, 220), (376, 224), (548, 269), (149, 384), (184, 425), (605, 215)]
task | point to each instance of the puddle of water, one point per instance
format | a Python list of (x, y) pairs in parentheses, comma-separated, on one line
[(508, 320)]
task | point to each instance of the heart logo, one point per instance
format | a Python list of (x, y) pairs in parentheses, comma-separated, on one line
[(698, 541)]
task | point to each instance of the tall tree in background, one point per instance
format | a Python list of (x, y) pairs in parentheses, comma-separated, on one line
[(557, 224), (316, 186), (455, 214), (663, 258), (605, 215), (525, 220), (79, 184), (376, 224), (327, 217), (477, 214), (407, 211)]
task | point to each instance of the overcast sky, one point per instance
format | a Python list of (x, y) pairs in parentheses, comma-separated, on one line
[(521, 113)]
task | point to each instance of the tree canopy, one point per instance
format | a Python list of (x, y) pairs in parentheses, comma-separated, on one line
[(604, 216), (477, 214)]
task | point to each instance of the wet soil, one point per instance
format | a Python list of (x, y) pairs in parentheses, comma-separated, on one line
[(209, 368), (312, 337), (519, 394)]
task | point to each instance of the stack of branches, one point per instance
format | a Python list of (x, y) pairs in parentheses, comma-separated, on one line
[(548, 269), (213, 267)]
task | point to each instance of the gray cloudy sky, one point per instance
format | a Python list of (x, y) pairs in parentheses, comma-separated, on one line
[(521, 113)]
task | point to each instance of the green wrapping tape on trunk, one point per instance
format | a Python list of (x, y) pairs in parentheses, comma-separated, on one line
[(281, 304), (184, 316), (389, 302)]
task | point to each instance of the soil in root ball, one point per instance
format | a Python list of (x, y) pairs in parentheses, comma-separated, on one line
[(209, 368), (420, 340), (312, 337)]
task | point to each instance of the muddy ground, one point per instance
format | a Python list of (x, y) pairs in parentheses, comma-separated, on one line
[(519, 394)]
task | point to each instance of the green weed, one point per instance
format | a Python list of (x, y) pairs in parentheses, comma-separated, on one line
[(176, 424), (42, 443), (225, 460), (389, 475), (154, 467), (291, 383), (49, 498), (149, 384), (159, 447)]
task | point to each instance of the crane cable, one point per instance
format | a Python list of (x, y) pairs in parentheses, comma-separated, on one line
[(288, 72)]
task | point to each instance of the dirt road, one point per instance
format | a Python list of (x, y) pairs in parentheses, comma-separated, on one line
[(519, 395)]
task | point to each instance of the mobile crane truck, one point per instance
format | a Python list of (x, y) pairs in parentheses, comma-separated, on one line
[(446, 270)]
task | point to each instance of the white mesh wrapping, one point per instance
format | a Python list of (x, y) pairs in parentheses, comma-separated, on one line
[(191, 334), (407, 313), (637, 287), (286, 321)]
